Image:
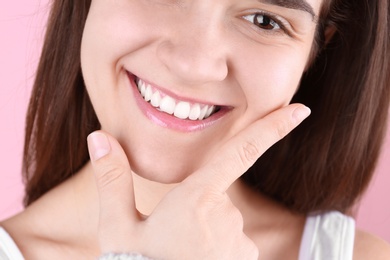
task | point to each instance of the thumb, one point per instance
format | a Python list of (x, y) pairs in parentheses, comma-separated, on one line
[(114, 181)]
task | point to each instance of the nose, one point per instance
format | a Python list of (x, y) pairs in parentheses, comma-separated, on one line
[(194, 52)]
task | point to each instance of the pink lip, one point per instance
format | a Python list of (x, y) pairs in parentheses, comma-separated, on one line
[(169, 121)]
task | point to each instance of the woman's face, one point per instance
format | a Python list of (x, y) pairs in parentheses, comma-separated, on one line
[(236, 59)]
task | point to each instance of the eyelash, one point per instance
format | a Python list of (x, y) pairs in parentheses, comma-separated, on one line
[(274, 20)]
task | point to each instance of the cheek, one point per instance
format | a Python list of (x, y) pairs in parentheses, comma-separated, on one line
[(111, 34), (115, 28), (111, 31), (272, 77)]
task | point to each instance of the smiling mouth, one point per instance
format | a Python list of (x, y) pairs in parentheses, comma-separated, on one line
[(178, 108)]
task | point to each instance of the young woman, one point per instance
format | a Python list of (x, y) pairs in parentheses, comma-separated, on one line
[(194, 92)]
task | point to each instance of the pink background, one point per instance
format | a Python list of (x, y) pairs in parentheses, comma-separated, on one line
[(21, 29)]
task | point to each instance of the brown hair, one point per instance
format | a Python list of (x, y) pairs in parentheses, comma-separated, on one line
[(60, 115), (325, 164), (328, 161)]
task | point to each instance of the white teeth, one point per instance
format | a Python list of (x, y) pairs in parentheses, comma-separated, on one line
[(182, 110), (156, 99), (167, 104), (195, 112), (148, 93), (209, 111), (203, 112), (143, 89)]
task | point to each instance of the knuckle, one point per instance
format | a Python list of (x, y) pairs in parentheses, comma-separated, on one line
[(201, 204), (283, 127), (208, 200), (249, 152), (110, 174)]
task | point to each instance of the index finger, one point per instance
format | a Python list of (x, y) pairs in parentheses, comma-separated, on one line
[(236, 156)]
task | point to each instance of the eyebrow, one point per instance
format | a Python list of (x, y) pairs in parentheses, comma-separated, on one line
[(293, 4)]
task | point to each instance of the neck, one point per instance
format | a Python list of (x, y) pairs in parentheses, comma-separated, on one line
[(149, 193), (75, 205)]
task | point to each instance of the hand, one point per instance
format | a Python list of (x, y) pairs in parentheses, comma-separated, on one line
[(196, 220)]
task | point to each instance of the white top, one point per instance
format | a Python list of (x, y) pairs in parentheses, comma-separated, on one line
[(329, 236), (8, 248)]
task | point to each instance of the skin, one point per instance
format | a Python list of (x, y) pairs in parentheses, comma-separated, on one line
[(216, 57), (229, 62)]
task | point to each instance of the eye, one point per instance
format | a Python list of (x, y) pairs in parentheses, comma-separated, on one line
[(265, 21)]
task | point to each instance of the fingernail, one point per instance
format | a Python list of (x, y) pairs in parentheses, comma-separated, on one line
[(98, 145), (300, 113)]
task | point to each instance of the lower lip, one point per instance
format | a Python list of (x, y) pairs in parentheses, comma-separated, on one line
[(169, 121)]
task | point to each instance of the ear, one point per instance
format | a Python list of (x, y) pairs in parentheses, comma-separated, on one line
[(327, 35), (330, 30)]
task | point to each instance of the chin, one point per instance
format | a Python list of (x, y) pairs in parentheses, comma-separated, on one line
[(160, 175)]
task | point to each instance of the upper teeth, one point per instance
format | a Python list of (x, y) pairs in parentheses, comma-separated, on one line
[(169, 105)]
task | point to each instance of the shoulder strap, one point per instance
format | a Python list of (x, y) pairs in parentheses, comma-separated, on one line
[(8, 248), (328, 236)]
